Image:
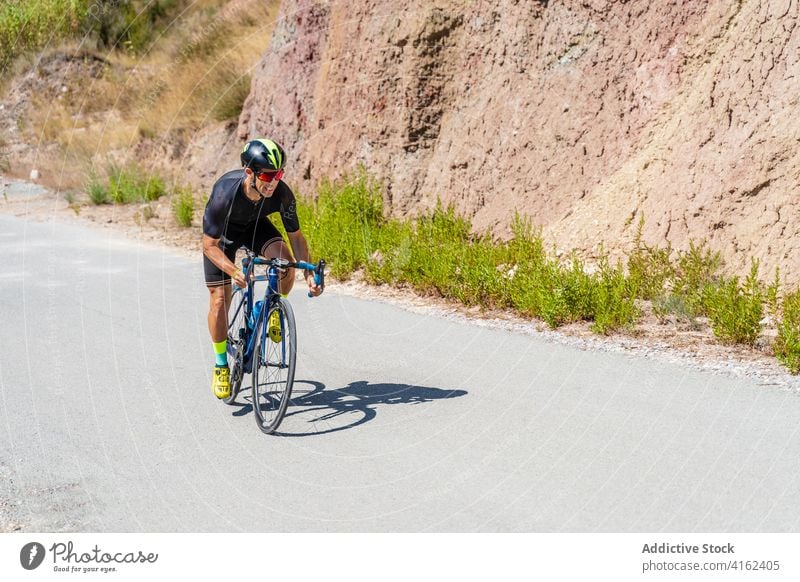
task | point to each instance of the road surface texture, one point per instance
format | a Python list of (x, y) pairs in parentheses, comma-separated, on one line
[(403, 421)]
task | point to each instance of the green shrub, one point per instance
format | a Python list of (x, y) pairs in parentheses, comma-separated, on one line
[(98, 193), (29, 25), (129, 24), (344, 223), (547, 290), (615, 303), (578, 292), (183, 206), (696, 269), (787, 344), (130, 184), (524, 257), (152, 188), (736, 310), (773, 294), (649, 268), (478, 279), (437, 253), (392, 254), (554, 290), (122, 186)]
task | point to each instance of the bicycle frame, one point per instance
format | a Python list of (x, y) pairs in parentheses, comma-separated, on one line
[(253, 321)]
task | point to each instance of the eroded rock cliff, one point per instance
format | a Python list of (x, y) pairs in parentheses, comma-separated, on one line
[(582, 114)]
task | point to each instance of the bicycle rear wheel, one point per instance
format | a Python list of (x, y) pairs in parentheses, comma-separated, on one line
[(237, 337), (273, 367)]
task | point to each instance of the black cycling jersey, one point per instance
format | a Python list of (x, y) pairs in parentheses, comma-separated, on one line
[(229, 207)]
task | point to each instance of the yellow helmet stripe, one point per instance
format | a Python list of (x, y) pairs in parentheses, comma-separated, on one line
[(273, 152)]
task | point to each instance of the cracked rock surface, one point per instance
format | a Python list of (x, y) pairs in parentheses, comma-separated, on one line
[(585, 115)]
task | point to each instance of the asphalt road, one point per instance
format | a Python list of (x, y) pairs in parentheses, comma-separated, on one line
[(404, 422)]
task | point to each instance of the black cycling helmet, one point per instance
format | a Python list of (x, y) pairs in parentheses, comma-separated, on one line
[(263, 155)]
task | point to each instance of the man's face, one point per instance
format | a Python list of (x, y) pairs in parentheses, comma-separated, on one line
[(267, 182)]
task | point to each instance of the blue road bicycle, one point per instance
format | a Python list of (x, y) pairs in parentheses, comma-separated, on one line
[(262, 339)]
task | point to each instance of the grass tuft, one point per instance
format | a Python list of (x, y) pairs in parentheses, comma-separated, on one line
[(98, 192), (183, 206), (125, 185), (230, 102), (130, 184)]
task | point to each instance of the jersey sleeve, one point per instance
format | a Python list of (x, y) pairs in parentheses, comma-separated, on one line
[(288, 209), (216, 212)]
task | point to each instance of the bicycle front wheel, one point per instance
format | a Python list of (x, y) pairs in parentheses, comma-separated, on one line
[(273, 365)]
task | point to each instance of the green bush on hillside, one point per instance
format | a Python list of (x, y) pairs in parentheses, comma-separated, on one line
[(130, 184), (649, 268), (126, 24), (344, 223), (736, 310), (695, 270), (615, 303), (37, 23), (787, 344), (98, 192), (437, 253), (183, 206)]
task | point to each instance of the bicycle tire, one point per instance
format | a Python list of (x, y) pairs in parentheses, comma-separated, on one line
[(273, 368), (237, 336)]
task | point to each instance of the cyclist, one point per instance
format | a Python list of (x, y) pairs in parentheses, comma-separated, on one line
[(235, 217)]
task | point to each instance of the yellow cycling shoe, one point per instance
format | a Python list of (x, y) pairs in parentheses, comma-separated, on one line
[(274, 328), (221, 382)]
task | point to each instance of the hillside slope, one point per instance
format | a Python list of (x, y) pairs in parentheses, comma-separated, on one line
[(585, 115)]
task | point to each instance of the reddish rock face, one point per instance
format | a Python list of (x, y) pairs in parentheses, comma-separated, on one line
[(584, 115)]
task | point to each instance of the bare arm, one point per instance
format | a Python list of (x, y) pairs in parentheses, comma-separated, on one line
[(299, 246), (300, 252)]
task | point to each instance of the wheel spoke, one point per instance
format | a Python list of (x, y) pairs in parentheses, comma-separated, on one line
[(273, 372)]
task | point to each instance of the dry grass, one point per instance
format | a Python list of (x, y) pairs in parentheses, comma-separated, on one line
[(205, 77), (196, 74), (87, 132)]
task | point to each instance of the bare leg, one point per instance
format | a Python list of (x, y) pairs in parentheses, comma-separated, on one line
[(219, 300)]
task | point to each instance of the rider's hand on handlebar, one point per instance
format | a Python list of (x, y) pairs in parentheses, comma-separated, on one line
[(313, 288), (239, 279)]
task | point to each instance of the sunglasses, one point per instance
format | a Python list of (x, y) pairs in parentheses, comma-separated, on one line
[(269, 176)]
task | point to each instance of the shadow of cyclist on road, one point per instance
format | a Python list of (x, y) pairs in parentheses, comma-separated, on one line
[(314, 410)]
